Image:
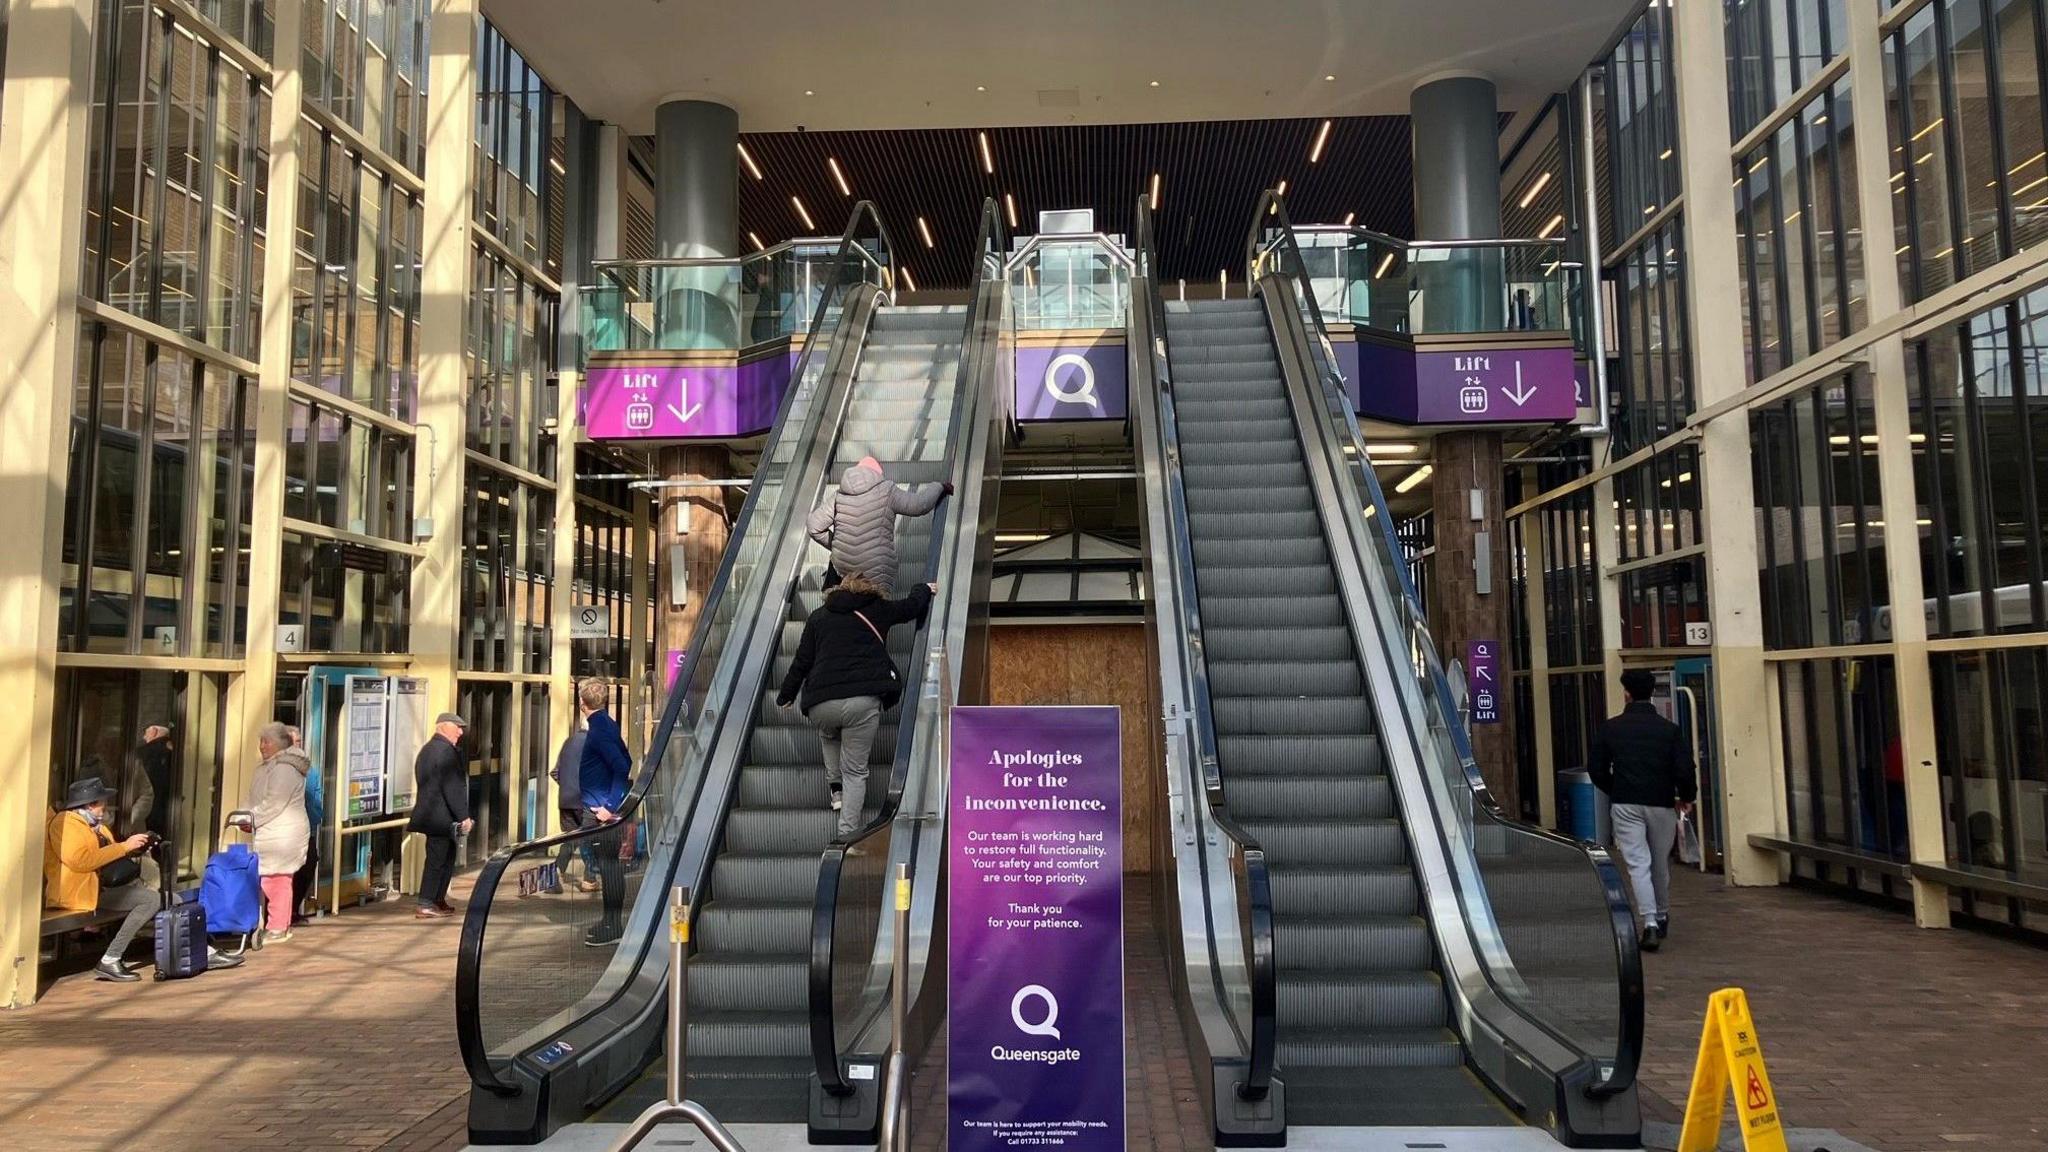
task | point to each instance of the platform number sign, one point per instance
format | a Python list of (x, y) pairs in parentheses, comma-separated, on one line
[(590, 622)]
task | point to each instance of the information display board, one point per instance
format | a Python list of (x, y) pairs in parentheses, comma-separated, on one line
[(1035, 997), (406, 730), (364, 748)]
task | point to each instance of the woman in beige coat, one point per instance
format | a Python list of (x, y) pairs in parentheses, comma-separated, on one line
[(277, 806)]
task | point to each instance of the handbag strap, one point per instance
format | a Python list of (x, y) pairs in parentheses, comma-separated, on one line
[(871, 627)]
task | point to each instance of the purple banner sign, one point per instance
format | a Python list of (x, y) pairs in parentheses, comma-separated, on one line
[(1484, 386), (1034, 973), (1081, 381), (675, 669), (1482, 679), (673, 402)]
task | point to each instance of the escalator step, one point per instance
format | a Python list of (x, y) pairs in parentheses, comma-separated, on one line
[(1359, 1048), (749, 984), (1273, 580), (1252, 678), (1257, 501), (1277, 797), (1205, 433), (1377, 943), (1226, 474), (1211, 555), (779, 830), (1329, 842), (786, 879), (1362, 999), (722, 1033), (1293, 716), (1386, 890), (1255, 351), (1254, 529), (1294, 753), (1260, 612), (732, 926)]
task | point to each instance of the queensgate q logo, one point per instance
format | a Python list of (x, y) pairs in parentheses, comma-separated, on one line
[(1048, 1026)]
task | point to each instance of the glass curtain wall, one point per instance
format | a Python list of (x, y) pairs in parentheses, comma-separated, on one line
[(349, 440), (1964, 87), (508, 581), (1980, 449), (1802, 246), (160, 459)]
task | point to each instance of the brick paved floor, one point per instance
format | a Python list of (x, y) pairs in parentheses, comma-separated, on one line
[(1901, 1039), (340, 1039)]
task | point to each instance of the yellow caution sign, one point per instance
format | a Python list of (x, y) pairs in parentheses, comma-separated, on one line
[(679, 925), (1731, 1060), (903, 895)]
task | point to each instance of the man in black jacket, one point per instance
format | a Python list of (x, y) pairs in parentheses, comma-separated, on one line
[(1641, 761), (843, 668), (440, 810)]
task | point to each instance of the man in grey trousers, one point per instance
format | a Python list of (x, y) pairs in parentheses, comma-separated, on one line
[(1642, 762)]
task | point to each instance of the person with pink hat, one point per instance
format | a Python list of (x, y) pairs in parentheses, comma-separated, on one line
[(859, 523)]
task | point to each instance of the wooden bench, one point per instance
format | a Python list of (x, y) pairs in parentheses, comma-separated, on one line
[(61, 923)]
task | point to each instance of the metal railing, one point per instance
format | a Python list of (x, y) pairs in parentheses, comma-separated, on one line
[(715, 303), (1061, 282), (538, 981), (845, 997), (1571, 968), (1426, 287), (1196, 738), (673, 1105)]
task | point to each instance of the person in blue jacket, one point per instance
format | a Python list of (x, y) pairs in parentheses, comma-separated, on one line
[(604, 776)]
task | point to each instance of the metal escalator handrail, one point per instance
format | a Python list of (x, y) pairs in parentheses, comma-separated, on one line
[(832, 863), (469, 953), (1261, 966), (1628, 959)]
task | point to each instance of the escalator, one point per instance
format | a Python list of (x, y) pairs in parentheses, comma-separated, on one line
[(730, 794), (1367, 939)]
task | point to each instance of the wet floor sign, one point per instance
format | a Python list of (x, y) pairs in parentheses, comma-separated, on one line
[(1731, 1061)]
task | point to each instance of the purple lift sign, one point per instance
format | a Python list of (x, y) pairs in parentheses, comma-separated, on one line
[(1034, 948), (1482, 675)]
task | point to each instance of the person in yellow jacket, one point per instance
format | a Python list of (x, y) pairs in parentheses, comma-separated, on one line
[(77, 844)]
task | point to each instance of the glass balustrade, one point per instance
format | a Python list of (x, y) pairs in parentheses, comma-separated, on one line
[(1061, 283), (713, 305), (1426, 288)]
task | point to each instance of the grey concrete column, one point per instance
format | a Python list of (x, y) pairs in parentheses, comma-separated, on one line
[(1456, 146), (696, 215), (1455, 126), (696, 190)]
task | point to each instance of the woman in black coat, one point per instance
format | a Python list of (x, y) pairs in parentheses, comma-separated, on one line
[(843, 670)]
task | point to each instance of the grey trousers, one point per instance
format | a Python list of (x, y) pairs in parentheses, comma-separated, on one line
[(1644, 836), (140, 902), (846, 729)]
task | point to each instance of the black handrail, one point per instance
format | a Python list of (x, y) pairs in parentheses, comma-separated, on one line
[(469, 952), (1628, 957), (1261, 966), (832, 863)]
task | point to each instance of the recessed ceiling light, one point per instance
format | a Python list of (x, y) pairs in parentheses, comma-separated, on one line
[(1155, 84), (803, 212), (988, 160), (1349, 217), (808, 92), (748, 158), (1529, 197), (981, 87), (1331, 79), (909, 281)]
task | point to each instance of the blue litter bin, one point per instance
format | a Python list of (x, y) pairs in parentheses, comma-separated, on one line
[(1582, 807)]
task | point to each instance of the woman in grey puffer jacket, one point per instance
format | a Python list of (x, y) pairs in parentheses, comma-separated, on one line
[(859, 524)]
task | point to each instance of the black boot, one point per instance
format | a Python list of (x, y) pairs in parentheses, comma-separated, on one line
[(1648, 940)]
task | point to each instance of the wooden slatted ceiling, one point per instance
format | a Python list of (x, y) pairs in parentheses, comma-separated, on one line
[(1211, 174)]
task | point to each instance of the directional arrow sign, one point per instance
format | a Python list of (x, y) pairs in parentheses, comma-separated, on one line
[(1520, 394), (688, 411), (1482, 658)]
